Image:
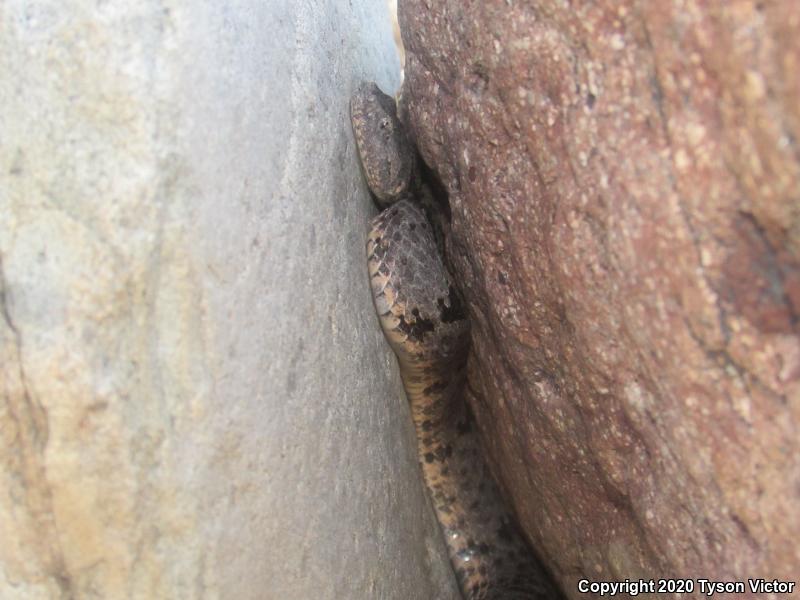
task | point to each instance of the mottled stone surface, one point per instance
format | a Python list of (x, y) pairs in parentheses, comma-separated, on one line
[(624, 180), (196, 400)]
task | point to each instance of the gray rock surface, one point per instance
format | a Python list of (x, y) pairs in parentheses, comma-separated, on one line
[(197, 400)]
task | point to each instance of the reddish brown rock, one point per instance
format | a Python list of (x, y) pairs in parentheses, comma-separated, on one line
[(624, 180)]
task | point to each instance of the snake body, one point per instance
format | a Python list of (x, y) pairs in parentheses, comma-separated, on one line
[(425, 323)]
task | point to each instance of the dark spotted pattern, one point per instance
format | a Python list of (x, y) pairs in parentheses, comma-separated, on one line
[(425, 323)]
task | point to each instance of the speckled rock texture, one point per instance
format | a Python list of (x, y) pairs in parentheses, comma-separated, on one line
[(624, 181), (196, 400)]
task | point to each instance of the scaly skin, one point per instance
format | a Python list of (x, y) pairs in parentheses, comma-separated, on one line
[(425, 323)]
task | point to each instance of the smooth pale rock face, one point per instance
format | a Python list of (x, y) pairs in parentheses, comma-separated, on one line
[(197, 401), (624, 180)]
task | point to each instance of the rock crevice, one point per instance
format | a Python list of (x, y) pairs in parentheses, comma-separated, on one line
[(623, 184)]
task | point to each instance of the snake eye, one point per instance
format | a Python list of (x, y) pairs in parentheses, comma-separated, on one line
[(385, 123)]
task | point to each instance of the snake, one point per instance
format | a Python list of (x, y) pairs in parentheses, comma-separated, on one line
[(425, 321)]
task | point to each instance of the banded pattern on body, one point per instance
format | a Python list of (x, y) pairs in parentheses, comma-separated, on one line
[(425, 323)]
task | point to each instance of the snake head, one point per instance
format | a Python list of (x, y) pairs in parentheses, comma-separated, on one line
[(387, 157)]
